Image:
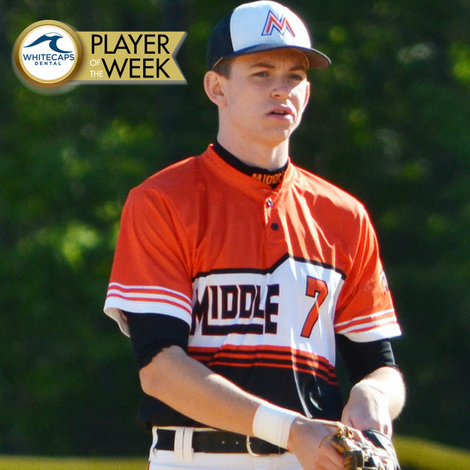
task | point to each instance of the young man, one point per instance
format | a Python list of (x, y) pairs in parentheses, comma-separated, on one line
[(238, 275)]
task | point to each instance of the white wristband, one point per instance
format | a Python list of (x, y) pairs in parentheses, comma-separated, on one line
[(272, 424)]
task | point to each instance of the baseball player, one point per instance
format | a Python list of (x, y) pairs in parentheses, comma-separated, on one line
[(239, 277)]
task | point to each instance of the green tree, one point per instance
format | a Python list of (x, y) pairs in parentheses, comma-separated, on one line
[(387, 122)]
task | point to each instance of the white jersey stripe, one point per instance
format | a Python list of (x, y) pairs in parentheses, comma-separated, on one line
[(175, 293), (366, 326), (366, 318), (137, 296)]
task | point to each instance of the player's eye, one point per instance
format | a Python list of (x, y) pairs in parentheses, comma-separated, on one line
[(298, 77)]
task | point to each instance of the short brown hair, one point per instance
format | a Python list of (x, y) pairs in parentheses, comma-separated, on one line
[(223, 67)]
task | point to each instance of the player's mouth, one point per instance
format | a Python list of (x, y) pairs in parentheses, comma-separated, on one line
[(282, 112)]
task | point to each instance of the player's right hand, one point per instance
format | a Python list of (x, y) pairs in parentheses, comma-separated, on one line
[(308, 441)]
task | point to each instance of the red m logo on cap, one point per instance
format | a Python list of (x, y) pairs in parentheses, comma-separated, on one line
[(272, 22)]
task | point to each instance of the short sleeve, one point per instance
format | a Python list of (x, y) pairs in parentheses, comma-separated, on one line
[(150, 272), (365, 310)]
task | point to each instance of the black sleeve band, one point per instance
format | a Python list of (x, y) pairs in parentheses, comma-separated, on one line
[(360, 359), (152, 332)]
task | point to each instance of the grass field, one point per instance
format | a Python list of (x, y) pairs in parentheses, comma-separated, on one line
[(412, 452), (43, 463), (424, 455)]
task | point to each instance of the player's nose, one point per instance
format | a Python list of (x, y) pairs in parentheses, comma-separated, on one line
[(281, 88)]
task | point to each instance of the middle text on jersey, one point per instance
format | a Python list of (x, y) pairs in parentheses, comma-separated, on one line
[(236, 309)]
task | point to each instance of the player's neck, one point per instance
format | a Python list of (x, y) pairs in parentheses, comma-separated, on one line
[(256, 154)]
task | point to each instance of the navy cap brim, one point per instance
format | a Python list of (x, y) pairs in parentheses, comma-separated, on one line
[(316, 59)]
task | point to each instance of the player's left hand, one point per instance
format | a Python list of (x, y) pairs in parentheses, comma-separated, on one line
[(374, 451), (367, 408)]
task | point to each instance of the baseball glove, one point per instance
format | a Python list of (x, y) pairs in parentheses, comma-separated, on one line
[(375, 453)]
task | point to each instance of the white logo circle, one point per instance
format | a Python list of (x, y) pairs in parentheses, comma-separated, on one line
[(48, 53)]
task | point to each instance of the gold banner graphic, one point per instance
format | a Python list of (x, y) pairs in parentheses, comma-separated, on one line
[(130, 57)]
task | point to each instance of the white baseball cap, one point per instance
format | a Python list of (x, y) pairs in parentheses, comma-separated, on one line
[(261, 26)]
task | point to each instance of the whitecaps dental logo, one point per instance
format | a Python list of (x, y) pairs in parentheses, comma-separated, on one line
[(48, 53), (52, 39)]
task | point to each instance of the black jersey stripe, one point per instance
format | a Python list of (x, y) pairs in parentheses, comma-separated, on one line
[(271, 269), (275, 357)]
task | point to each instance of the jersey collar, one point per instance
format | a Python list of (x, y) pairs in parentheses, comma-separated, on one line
[(270, 177), (250, 185)]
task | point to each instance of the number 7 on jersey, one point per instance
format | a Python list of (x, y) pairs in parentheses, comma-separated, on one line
[(317, 289)]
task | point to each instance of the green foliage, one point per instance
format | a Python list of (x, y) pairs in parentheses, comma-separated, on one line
[(388, 122)]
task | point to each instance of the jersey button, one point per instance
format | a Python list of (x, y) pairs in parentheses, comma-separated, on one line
[(269, 202), (275, 226)]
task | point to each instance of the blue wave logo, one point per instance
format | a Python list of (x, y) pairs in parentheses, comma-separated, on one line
[(52, 38)]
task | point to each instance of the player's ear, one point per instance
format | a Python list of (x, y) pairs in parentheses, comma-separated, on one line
[(213, 85)]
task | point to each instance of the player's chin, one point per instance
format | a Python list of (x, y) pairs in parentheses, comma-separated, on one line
[(286, 126), (278, 136)]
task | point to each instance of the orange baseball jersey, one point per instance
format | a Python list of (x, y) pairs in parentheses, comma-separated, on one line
[(264, 277)]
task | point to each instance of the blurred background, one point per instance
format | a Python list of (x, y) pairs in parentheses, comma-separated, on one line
[(389, 122)]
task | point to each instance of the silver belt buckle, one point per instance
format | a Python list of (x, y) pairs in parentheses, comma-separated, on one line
[(249, 449)]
